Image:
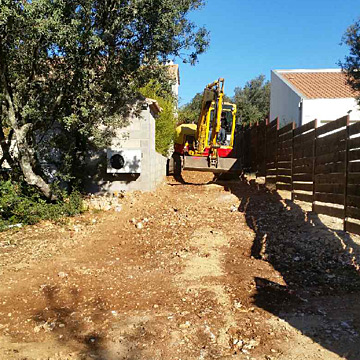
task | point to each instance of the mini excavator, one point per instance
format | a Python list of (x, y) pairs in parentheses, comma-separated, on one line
[(210, 145)]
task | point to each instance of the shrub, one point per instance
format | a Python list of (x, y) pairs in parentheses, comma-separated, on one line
[(20, 203), (165, 123)]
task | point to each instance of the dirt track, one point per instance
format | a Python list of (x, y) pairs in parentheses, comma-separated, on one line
[(217, 271)]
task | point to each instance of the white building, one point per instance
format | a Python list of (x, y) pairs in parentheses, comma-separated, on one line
[(175, 76), (304, 95)]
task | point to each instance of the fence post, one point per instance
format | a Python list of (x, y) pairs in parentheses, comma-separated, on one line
[(313, 167), (265, 141), (292, 161), (276, 149), (346, 169), (257, 150)]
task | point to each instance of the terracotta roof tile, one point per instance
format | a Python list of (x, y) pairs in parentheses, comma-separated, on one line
[(320, 85)]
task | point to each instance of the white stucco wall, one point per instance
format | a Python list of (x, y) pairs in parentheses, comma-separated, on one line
[(329, 109), (284, 102)]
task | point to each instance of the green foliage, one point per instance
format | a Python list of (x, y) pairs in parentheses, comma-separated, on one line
[(70, 69), (253, 100), (351, 65), (190, 112), (165, 123), (20, 203)]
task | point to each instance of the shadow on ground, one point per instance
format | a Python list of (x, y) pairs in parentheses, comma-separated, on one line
[(319, 265), (81, 332)]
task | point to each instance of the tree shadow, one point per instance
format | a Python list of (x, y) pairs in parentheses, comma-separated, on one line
[(62, 317), (319, 265)]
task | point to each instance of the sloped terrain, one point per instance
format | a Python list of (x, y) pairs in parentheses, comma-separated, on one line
[(196, 270)]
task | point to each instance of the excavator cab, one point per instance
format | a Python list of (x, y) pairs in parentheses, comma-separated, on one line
[(210, 145)]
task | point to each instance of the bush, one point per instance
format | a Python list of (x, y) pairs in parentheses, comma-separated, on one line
[(20, 203), (165, 123)]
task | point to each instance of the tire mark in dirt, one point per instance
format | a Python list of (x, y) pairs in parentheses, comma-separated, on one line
[(204, 272)]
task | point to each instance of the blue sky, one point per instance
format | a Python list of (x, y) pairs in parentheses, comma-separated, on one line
[(252, 37)]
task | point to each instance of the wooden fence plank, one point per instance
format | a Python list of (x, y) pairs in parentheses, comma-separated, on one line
[(284, 164), (322, 150), (302, 177), (338, 178), (286, 136), (353, 201), (354, 128), (354, 178), (301, 139), (330, 188), (306, 127), (285, 129), (352, 227), (354, 143), (330, 168), (354, 189), (354, 155), (274, 123), (329, 198), (303, 169), (284, 172), (328, 210), (284, 179), (283, 186), (303, 197), (332, 157), (332, 139), (303, 186), (354, 166), (353, 212), (271, 179), (303, 161), (333, 125), (284, 144)]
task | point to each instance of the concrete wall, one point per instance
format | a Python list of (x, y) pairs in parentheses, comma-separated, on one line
[(329, 109), (139, 134), (284, 102)]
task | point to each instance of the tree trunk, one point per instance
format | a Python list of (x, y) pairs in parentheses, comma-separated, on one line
[(27, 160), (26, 156), (5, 145)]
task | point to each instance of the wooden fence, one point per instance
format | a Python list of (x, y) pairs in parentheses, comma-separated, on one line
[(320, 165)]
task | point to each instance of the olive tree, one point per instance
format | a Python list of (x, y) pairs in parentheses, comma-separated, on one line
[(69, 68), (351, 64)]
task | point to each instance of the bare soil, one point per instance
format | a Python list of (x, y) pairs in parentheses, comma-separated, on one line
[(199, 269)]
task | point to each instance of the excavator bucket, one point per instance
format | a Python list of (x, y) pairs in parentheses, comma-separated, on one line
[(224, 165)]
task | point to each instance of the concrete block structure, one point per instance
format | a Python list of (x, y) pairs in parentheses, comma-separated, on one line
[(149, 170)]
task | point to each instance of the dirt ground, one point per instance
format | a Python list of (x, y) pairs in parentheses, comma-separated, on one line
[(196, 270)]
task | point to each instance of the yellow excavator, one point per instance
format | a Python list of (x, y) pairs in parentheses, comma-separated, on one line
[(209, 145)]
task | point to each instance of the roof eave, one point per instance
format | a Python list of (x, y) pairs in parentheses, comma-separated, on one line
[(290, 85)]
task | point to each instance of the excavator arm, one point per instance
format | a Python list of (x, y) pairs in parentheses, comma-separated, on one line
[(212, 96)]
